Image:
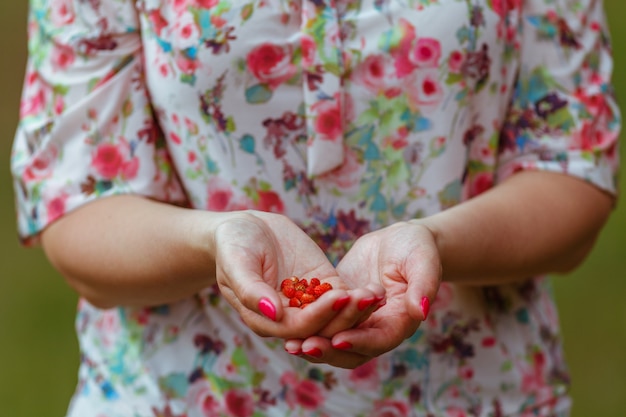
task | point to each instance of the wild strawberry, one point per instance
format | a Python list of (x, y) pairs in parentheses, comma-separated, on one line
[(289, 291), (298, 294), (322, 288), (310, 290), (315, 282), (294, 302), (307, 298)]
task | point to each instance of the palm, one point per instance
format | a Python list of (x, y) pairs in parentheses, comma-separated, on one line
[(255, 251)]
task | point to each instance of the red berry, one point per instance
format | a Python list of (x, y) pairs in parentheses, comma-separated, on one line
[(307, 298), (289, 291), (294, 302), (315, 282), (299, 294)]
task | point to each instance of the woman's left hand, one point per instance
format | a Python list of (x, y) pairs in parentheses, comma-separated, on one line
[(404, 259)]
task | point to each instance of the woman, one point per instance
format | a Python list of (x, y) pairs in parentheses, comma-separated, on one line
[(178, 159)]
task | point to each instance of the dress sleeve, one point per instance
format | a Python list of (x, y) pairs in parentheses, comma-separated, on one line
[(86, 127), (563, 116)]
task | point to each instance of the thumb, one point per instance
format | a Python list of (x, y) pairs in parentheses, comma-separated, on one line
[(422, 286)]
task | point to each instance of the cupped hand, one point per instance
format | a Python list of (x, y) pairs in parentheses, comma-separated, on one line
[(404, 259), (255, 251)]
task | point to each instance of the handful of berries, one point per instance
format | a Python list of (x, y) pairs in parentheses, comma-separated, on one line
[(302, 292)]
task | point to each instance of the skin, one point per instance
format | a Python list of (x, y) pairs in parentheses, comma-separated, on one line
[(532, 223)]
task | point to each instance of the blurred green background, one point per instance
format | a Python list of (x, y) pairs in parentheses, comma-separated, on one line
[(38, 352)]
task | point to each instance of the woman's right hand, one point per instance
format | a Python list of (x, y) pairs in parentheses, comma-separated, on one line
[(255, 251)]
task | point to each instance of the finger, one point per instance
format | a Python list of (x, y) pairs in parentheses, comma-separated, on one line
[(379, 334), (297, 323), (363, 301), (318, 349), (422, 286)]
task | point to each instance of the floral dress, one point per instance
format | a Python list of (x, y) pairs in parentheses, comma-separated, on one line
[(344, 115)]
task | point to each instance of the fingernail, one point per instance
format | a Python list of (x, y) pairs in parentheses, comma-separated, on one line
[(425, 306), (295, 352), (343, 345), (341, 303), (366, 302), (267, 308), (380, 305), (315, 352)]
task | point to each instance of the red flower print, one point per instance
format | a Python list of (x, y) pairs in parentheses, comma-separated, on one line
[(239, 403), (455, 61), (425, 53), (219, 195), (306, 394), (271, 64), (187, 65), (366, 375), (270, 201), (308, 51), (329, 118), (62, 56), (41, 165), (390, 408), (107, 160), (480, 183)]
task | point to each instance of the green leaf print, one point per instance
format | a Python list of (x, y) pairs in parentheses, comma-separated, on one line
[(258, 94), (174, 385)]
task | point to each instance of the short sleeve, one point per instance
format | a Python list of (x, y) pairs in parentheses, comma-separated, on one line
[(563, 116), (87, 129)]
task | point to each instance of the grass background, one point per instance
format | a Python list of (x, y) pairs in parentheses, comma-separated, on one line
[(38, 351)]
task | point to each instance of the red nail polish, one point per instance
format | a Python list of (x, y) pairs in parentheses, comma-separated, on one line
[(343, 345), (380, 305), (315, 352), (425, 306), (341, 303), (267, 308), (365, 303)]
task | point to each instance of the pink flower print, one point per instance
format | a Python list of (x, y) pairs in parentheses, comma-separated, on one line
[(371, 73), (239, 403), (425, 92), (179, 6), (502, 7), (62, 56), (41, 166), (306, 394), (453, 411), (158, 21), (55, 207), (187, 65), (62, 12), (205, 4), (592, 138), (186, 32), (130, 168), (308, 51), (390, 408), (455, 61), (107, 160), (200, 397), (219, 195), (33, 104), (270, 201), (346, 175), (271, 64), (425, 53), (366, 376)]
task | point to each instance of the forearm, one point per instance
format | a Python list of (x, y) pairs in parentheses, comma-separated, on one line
[(533, 223), (128, 250)]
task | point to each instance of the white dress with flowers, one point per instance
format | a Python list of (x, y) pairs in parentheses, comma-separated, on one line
[(346, 116)]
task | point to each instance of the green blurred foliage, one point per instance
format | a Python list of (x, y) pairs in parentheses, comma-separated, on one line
[(38, 350)]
